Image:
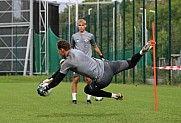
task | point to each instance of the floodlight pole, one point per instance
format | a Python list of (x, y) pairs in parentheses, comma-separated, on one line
[(69, 20), (31, 40), (145, 30), (97, 21), (76, 15), (89, 10), (29, 50)]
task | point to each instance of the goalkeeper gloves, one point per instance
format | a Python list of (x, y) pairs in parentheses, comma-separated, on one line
[(43, 89), (49, 80)]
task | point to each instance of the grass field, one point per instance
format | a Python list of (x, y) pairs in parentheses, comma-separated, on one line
[(20, 103)]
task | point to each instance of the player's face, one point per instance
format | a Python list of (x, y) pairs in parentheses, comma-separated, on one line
[(81, 27), (61, 52)]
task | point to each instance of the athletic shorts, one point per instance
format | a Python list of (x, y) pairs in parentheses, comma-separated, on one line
[(111, 68)]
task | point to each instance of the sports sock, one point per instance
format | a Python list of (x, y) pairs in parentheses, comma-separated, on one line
[(88, 97), (113, 95), (141, 52), (74, 96)]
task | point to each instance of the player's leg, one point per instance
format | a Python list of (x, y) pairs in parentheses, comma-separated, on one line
[(110, 69), (121, 65), (93, 89), (74, 87), (88, 80), (135, 58)]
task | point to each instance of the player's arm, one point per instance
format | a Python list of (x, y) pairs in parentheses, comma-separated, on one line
[(51, 78), (57, 78), (60, 74), (72, 42), (96, 48)]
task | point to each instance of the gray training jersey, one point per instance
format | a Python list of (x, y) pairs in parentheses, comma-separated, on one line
[(81, 63), (83, 42)]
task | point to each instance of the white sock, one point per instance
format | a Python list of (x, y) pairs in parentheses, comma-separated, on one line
[(88, 97), (74, 96), (113, 95), (141, 53)]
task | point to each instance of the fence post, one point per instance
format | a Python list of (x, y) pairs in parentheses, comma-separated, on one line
[(169, 36), (124, 5), (133, 29)]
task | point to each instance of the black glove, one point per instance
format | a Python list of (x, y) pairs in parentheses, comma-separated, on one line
[(102, 57)]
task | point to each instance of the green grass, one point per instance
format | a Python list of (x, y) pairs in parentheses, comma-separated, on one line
[(20, 103)]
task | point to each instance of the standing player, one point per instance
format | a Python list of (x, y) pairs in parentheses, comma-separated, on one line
[(83, 41), (101, 72)]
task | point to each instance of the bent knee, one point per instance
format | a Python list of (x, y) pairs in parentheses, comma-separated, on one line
[(86, 89), (89, 88)]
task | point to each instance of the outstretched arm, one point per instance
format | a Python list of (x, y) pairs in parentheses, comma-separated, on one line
[(57, 78), (50, 79), (46, 85)]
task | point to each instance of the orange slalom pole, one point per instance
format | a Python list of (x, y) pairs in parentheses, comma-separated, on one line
[(154, 68)]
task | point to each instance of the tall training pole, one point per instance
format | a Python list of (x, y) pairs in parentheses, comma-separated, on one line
[(154, 69)]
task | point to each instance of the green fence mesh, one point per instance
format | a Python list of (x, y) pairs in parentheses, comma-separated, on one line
[(51, 52)]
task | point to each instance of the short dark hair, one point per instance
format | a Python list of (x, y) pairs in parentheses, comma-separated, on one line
[(63, 44)]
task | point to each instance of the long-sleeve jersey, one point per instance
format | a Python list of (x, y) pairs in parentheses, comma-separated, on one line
[(81, 63)]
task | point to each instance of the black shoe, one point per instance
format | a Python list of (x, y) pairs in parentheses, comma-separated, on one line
[(89, 102), (74, 101)]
